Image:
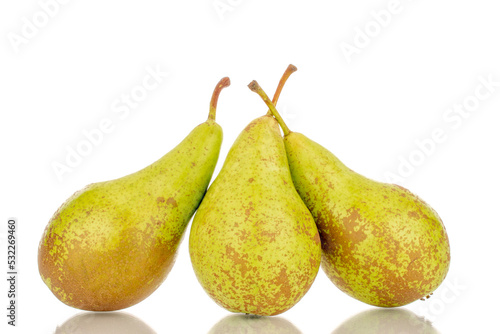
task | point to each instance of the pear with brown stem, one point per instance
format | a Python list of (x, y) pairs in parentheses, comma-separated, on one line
[(254, 245), (381, 244), (112, 244)]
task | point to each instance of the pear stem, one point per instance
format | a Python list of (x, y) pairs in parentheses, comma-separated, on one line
[(289, 70), (223, 83), (254, 87)]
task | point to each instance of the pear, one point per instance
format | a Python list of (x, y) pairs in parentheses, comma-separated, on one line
[(111, 244), (381, 244), (253, 243)]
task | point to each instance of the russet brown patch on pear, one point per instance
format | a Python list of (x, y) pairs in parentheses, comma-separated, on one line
[(171, 201)]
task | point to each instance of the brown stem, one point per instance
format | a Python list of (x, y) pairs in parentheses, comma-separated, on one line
[(254, 87), (289, 70), (223, 83)]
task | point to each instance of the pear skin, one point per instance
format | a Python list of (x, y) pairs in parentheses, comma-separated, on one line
[(112, 244), (253, 244), (381, 244)]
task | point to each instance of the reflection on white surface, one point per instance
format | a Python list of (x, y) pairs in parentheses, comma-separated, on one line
[(386, 321), (104, 323), (246, 324)]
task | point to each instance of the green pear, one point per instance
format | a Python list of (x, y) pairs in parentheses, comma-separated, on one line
[(253, 243), (381, 244), (111, 244)]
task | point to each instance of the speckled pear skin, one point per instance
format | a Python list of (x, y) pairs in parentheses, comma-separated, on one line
[(253, 244), (111, 244), (381, 244)]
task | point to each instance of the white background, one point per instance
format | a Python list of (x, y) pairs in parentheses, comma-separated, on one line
[(66, 77)]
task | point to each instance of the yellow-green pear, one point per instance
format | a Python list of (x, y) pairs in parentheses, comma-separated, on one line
[(253, 243), (381, 244), (111, 244)]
